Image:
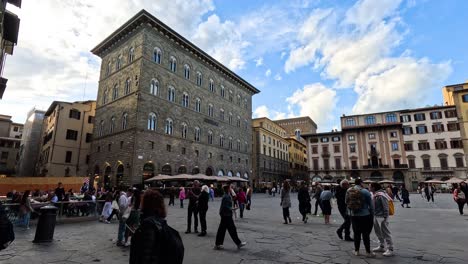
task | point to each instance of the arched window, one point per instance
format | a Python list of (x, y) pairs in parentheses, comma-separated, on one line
[(173, 64), (101, 128), (197, 134), (238, 121), (115, 92), (128, 86), (210, 137), (221, 140), (230, 118), (119, 62), (186, 71), (184, 130), (198, 105), (171, 94), (238, 145), (108, 69), (221, 114), (230, 142), (297, 132), (185, 100), (212, 85), (246, 146), (245, 103), (154, 87), (369, 120), (246, 124), (239, 100), (222, 91), (231, 96), (112, 125), (131, 54), (104, 96), (199, 79), (157, 54), (168, 127), (152, 121), (210, 110), (124, 121)]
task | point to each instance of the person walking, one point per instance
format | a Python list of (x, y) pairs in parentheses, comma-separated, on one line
[(227, 223), (318, 192), (172, 193), (212, 193), (325, 199), (405, 197), (381, 214), (115, 208), (182, 196), (155, 241), (359, 202), (25, 209), (459, 197), (107, 209), (464, 189), (249, 197), (123, 214), (241, 200), (304, 201), (286, 201), (395, 191), (192, 210), (203, 208), (340, 200), (133, 220)]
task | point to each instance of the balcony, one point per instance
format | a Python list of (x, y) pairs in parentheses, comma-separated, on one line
[(373, 153), (325, 154)]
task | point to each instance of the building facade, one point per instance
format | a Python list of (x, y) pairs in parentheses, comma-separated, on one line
[(10, 139), (295, 127), (164, 106), (270, 153), (30, 143), (9, 28), (66, 139), (298, 169)]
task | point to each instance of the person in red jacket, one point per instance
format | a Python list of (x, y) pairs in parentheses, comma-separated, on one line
[(242, 200)]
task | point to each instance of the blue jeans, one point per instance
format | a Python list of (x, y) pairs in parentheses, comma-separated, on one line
[(121, 234)]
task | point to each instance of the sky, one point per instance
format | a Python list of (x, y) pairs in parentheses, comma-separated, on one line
[(312, 58)]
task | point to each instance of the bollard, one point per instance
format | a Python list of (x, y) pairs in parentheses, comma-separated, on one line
[(46, 224)]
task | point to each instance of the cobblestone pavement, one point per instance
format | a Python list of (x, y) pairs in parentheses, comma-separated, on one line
[(425, 233)]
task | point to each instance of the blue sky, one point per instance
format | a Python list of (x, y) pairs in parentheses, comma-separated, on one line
[(315, 58)]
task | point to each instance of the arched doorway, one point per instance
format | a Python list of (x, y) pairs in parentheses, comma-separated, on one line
[(316, 178), (220, 173), (107, 179), (97, 171), (166, 170), (246, 175), (119, 175), (182, 170), (376, 175), (148, 170), (209, 171), (195, 170), (238, 174), (229, 173), (398, 176)]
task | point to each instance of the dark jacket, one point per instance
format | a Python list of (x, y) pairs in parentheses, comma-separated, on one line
[(340, 196), (154, 242), (303, 195), (60, 192), (203, 201), (193, 196), (226, 206)]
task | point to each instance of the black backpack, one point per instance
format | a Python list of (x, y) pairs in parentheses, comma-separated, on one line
[(7, 234)]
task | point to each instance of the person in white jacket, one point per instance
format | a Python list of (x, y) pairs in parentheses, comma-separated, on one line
[(381, 214), (107, 209)]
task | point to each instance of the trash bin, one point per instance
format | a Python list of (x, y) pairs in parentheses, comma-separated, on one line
[(46, 224)]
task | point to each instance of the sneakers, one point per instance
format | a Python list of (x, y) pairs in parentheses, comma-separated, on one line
[(107, 222), (378, 249), (356, 253), (370, 255), (388, 253), (218, 247), (242, 244), (127, 244)]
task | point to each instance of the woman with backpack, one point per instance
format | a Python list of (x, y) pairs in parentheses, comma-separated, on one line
[(154, 241), (459, 197), (381, 214)]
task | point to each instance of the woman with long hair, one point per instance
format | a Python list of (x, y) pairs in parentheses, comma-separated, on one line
[(25, 209), (286, 202), (154, 241)]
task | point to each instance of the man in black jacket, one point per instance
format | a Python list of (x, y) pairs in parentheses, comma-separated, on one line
[(7, 234), (193, 195), (227, 223), (340, 200)]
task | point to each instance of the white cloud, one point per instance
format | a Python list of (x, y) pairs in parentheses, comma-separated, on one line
[(278, 77), (396, 83), (314, 100), (259, 62), (261, 111), (268, 73), (370, 12)]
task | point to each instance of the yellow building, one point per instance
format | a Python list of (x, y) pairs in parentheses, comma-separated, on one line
[(457, 94), (66, 139), (297, 160)]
